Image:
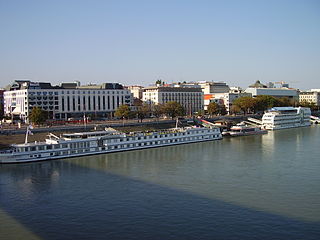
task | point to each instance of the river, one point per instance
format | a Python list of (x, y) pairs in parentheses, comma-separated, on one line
[(253, 187)]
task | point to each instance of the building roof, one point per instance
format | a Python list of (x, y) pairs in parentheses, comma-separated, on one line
[(258, 84), (172, 89)]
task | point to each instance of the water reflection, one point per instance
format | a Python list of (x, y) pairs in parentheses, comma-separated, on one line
[(266, 172)]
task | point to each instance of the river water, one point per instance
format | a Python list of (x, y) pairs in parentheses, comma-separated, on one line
[(254, 187)]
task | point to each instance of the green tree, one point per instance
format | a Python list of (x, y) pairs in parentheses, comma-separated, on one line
[(123, 112), (159, 82), (287, 102), (234, 109), (264, 102), (173, 109), (38, 116), (143, 111), (213, 108), (222, 109), (308, 104), (246, 104)]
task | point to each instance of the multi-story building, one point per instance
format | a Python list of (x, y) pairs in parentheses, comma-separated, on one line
[(275, 92), (64, 101), (136, 91), (310, 96), (213, 87), (258, 88), (189, 97)]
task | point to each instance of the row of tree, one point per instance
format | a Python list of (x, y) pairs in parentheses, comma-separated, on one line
[(171, 109), (261, 103)]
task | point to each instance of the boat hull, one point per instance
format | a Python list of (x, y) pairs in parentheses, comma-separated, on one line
[(11, 159)]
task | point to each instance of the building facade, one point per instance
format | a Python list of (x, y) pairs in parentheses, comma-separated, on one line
[(64, 101), (190, 98), (275, 92), (310, 97), (136, 91)]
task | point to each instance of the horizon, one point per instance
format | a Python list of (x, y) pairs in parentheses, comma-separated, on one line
[(138, 42)]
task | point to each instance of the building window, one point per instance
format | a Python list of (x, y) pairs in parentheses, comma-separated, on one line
[(68, 103), (62, 103)]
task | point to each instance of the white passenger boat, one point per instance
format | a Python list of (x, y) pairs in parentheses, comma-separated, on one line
[(286, 117), (99, 142), (244, 130)]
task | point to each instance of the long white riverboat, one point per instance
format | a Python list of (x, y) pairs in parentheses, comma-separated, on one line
[(286, 117), (100, 142)]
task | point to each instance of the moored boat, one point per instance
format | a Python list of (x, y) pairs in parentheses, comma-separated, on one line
[(243, 130), (99, 142), (286, 117)]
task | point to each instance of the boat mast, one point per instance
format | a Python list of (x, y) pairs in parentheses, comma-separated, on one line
[(27, 133)]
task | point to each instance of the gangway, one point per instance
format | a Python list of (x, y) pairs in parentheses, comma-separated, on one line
[(207, 124), (254, 120)]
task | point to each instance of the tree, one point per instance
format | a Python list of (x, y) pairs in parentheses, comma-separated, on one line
[(157, 110), (222, 109), (173, 109), (213, 108), (308, 104), (246, 104), (143, 111), (123, 112), (234, 109), (286, 102), (158, 82), (38, 116)]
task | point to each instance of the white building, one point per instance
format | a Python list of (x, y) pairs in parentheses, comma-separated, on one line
[(310, 96), (275, 92), (190, 98), (65, 101)]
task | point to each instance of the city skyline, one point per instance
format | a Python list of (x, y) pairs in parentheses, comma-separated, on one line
[(138, 42)]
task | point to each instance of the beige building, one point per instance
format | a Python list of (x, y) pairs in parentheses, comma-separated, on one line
[(190, 98), (310, 96), (136, 91)]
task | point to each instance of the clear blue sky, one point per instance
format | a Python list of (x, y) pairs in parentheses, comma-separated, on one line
[(137, 42)]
